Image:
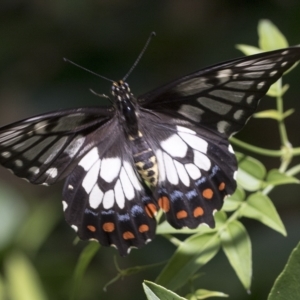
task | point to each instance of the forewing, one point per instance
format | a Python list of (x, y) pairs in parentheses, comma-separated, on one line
[(196, 170), (222, 97), (105, 200), (45, 148)]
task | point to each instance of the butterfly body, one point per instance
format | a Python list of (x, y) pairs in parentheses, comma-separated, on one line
[(167, 149)]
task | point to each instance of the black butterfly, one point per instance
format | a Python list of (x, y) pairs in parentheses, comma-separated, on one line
[(166, 149)]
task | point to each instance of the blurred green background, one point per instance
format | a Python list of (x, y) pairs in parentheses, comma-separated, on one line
[(106, 37)]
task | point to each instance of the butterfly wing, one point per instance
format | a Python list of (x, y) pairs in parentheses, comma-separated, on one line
[(196, 169), (191, 120), (46, 148), (105, 200), (222, 97)]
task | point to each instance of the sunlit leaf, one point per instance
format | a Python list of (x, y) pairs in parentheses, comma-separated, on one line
[(271, 114), (275, 177), (287, 285), (251, 173), (259, 207), (204, 294), (270, 37), (234, 201), (22, 279), (166, 228), (154, 291), (248, 50), (237, 247)]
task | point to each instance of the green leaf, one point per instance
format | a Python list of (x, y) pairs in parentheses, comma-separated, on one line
[(166, 228), (287, 285), (237, 246), (275, 177), (204, 294), (154, 291), (12, 214), (248, 50), (84, 260), (270, 37), (22, 278), (288, 113), (271, 114), (39, 225), (234, 201), (250, 173), (189, 257), (259, 207), (278, 91), (3, 295)]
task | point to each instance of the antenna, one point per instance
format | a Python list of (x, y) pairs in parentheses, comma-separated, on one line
[(152, 34), (71, 62)]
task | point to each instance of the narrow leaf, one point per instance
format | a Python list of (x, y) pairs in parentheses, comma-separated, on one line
[(23, 280), (259, 207), (237, 246), (271, 114), (275, 177), (247, 49), (84, 260), (270, 37), (287, 285), (204, 294), (166, 228), (154, 291), (189, 257)]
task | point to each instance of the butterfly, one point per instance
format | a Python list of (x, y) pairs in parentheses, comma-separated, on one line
[(167, 149)]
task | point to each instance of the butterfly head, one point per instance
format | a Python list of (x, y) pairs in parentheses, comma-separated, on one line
[(121, 91)]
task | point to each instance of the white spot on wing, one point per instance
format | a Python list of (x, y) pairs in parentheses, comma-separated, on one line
[(222, 126), (250, 99), (183, 176), (34, 170), (194, 141), (65, 205), (238, 114), (175, 146), (91, 177), (52, 172), (161, 167), (108, 199), (126, 184), (18, 163), (284, 63), (89, 159), (120, 198), (230, 149), (74, 227), (95, 197), (110, 168), (6, 154), (184, 129), (132, 176), (170, 169), (193, 171), (201, 161)]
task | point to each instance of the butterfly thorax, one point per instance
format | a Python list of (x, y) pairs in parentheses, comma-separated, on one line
[(143, 156)]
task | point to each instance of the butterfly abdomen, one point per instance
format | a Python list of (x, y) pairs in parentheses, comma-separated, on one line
[(144, 160)]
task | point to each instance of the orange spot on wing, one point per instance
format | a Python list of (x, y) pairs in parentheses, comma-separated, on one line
[(222, 186), (91, 228), (208, 193), (108, 227), (127, 235), (181, 214), (150, 210), (198, 211), (143, 228), (164, 203)]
